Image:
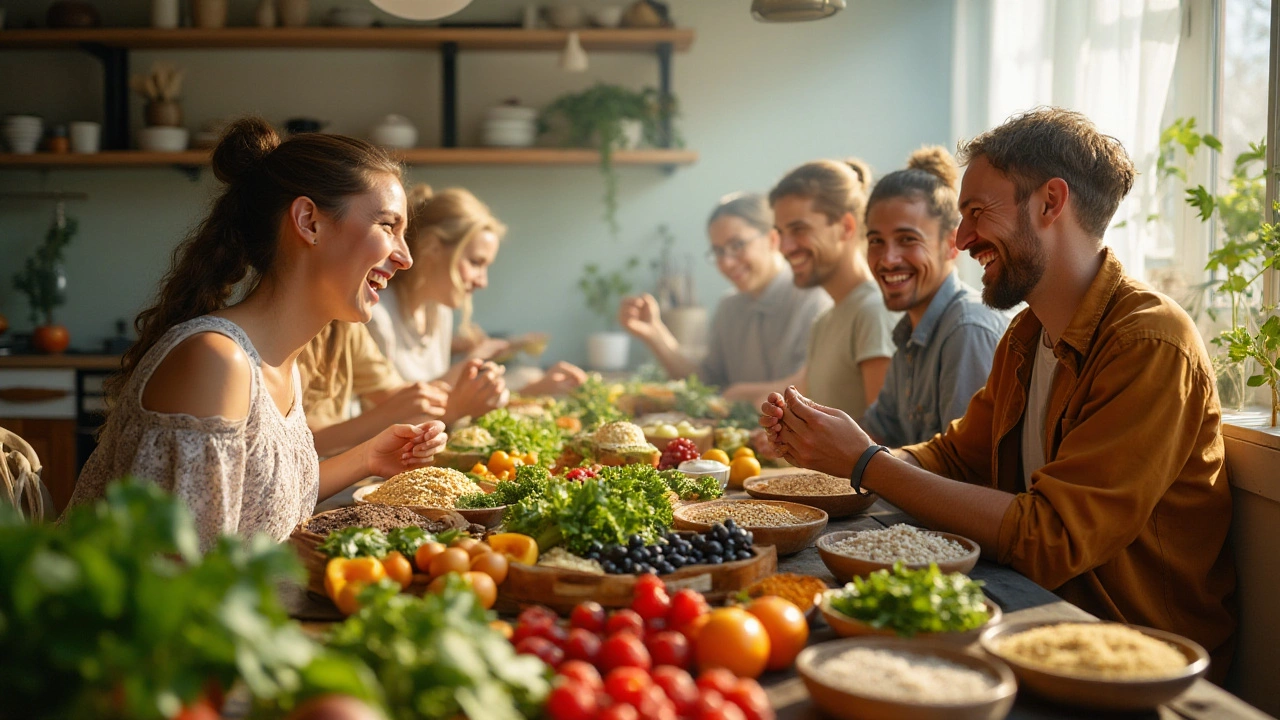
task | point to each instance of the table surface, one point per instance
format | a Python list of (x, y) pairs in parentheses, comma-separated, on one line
[(1019, 598)]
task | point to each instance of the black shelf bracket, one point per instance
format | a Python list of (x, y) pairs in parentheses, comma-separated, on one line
[(449, 95), (665, 51), (115, 94)]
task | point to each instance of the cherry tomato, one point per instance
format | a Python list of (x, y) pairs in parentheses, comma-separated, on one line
[(582, 672), (718, 679), (648, 581), (686, 606), (668, 648), (627, 684), (572, 701), (426, 553), (555, 634), (655, 705), (588, 616), (582, 645), (751, 699), (625, 621), (398, 568), (541, 648), (711, 705), (651, 602), (619, 711), (493, 564), (679, 687), (537, 615), (623, 650)]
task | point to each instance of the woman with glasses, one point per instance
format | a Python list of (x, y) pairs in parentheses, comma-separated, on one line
[(758, 334)]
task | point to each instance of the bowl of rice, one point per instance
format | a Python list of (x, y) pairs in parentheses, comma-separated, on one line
[(431, 488), (832, 495), (790, 527), (1100, 665), (881, 678), (851, 553)]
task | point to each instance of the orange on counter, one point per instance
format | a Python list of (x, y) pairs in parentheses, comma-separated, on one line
[(788, 630), (716, 454), (518, 548), (744, 451), (734, 639), (743, 467)]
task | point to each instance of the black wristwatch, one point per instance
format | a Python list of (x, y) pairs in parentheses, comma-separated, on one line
[(855, 478)]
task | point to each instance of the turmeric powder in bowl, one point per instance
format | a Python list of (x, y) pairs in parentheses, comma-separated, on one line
[(801, 590)]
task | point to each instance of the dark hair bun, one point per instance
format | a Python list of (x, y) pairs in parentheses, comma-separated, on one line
[(935, 160), (861, 169), (242, 147)]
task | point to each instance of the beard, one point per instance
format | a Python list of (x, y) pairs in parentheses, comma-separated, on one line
[(1021, 270)]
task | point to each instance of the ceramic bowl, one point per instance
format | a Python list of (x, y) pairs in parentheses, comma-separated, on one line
[(1095, 692), (846, 626), (845, 703), (394, 132), (607, 17), (488, 517), (788, 539), (719, 471), (511, 113), (162, 139), (845, 567), (836, 506)]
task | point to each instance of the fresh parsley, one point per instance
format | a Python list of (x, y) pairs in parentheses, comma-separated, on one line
[(914, 601)]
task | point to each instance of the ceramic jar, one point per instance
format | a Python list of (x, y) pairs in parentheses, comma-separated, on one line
[(164, 14), (395, 131), (209, 14)]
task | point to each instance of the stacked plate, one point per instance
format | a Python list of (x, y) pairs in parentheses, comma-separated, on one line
[(510, 126), (22, 133)]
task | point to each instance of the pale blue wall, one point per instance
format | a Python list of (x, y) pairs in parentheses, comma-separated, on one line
[(756, 100)]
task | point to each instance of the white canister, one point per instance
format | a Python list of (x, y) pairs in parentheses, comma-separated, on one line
[(164, 14), (86, 137), (608, 350)]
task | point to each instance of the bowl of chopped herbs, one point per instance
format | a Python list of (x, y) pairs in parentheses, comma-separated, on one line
[(910, 603)]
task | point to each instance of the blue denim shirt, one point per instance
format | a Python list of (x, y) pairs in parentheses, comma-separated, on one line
[(938, 366)]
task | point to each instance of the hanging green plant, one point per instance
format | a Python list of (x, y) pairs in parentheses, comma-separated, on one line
[(41, 278), (598, 117)]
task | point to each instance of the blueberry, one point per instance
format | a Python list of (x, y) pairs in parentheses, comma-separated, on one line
[(730, 524), (665, 568), (719, 532), (715, 548), (609, 567), (626, 567), (592, 556), (744, 554), (678, 560), (635, 541), (673, 537), (715, 560), (617, 552), (595, 547), (751, 538)]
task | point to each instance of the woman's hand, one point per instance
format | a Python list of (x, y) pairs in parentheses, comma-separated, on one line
[(559, 379), (414, 403), (641, 317), (813, 436), (479, 389), (403, 447)]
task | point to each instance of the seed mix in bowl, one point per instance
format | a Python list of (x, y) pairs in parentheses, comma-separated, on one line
[(913, 677), (382, 517), (746, 514), (812, 483), (435, 487), (1109, 651), (900, 542)]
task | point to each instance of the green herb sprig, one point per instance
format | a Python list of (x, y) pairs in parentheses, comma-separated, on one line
[(356, 542), (914, 601)]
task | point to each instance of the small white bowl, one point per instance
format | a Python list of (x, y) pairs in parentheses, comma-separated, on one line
[(566, 17), (162, 139), (607, 17), (694, 468), (511, 113)]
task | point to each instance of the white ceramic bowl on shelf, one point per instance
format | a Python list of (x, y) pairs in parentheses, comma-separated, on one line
[(162, 139), (509, 133), (609, 16), (566, 16)]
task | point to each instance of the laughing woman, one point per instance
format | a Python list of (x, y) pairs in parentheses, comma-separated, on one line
[(208, 401)]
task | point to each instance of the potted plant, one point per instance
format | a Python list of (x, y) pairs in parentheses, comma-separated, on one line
[(606, 350), (43, 282), (1247, 248), (608, 118)]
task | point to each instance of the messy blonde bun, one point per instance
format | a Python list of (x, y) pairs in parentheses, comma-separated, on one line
[(931, 175), (419, 195), (935, 160), (861, 169), (836, 188)]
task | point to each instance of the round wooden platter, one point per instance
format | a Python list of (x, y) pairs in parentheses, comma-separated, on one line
[(561, 589)]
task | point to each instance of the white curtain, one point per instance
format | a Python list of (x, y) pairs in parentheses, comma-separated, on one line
[(1112, 60)]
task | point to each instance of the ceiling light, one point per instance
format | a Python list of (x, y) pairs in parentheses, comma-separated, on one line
[(794, 10), (420, 9)]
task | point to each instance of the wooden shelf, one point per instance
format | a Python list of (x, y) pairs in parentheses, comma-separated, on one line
[(514, 39), (417, 156)]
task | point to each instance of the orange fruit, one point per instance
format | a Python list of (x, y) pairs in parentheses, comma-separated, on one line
[(348, 598), (483, 586), (464, 543), (398, 569), (735, 640), (451, 560), (437, 586), (425, 554), (493, 564), (716, 454), (366, 570), (503, 628), (744, 451), (518, 548), (499, 462), (530, 458), (479, 469), (335, 577), (742, 467), (788, 630), (478, 549)]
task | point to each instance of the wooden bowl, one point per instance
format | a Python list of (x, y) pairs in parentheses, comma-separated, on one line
[(488, 517), (1097, 693), (847, 704), (845, 567), (835, 506), (789, 539), (846, 626)]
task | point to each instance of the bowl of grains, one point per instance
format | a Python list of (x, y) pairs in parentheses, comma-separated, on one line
[(431, 488), (1101, 665), (850, 553), (880, 678), (828, 493), (788, 526)]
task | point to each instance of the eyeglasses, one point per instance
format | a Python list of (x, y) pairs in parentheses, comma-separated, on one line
[(732, 249)]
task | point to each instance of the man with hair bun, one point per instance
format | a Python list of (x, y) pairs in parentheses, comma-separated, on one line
[(946, 337), (1092, 461)]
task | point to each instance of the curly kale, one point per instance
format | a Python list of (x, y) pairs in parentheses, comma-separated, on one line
[(529, 480), (691, 488)]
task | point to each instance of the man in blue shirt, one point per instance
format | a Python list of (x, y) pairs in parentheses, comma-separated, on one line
[(947, 336)]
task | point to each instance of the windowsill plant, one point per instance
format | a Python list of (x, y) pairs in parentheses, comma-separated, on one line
[(603, 291)]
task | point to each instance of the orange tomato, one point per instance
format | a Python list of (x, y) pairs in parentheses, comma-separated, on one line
[(364, 570), (479, 469), (572, 424), (334, 577), (744, 451), (479, 549), (425, 554), (483, 586), (451, 560), (530, 458), (437, 585), (734, 639), (348, 601), (788, 630), (518, 548), (503, 628), (398, 568), (500, 462), (464, 543), (493, 564), (741, 468), (716, 454)]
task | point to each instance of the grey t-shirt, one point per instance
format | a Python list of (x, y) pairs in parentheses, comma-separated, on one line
[(1043, 368), (761, 339), (939, 365), (859, 328)]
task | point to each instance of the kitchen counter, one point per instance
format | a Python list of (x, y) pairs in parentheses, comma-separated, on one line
[(74, 361)]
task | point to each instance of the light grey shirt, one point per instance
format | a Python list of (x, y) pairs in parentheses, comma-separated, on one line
[(1043, 369), (761, 339), (938, 366)]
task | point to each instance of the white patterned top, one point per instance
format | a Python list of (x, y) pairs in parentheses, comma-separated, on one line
[(257, 474)]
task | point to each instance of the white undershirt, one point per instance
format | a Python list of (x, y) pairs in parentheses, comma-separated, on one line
[(1043, 368)]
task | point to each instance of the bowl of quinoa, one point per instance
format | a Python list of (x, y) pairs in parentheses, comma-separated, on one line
[(850, 553), (434, 488), (832, 495), (790, 527)]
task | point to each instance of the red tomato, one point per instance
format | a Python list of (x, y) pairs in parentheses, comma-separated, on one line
[(651, 601), (623, 650), (751, 699), (542, 648), (718, 679), (572, 701), (627, 684), (582, 645), (625, 621), (668, 648), (581, 672), (537, 615), (619, 711), (648, 581), (655, 705), (686, 606), (588, 616), (199, 710), (711, 705), (679, 687), (555, 634)]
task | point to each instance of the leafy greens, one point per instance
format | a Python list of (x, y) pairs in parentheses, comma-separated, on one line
[(914, 601)]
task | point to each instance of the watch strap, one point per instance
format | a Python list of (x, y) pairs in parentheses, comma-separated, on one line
[(855, 478)]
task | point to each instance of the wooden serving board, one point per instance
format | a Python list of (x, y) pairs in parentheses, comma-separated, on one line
[(561, 590)]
